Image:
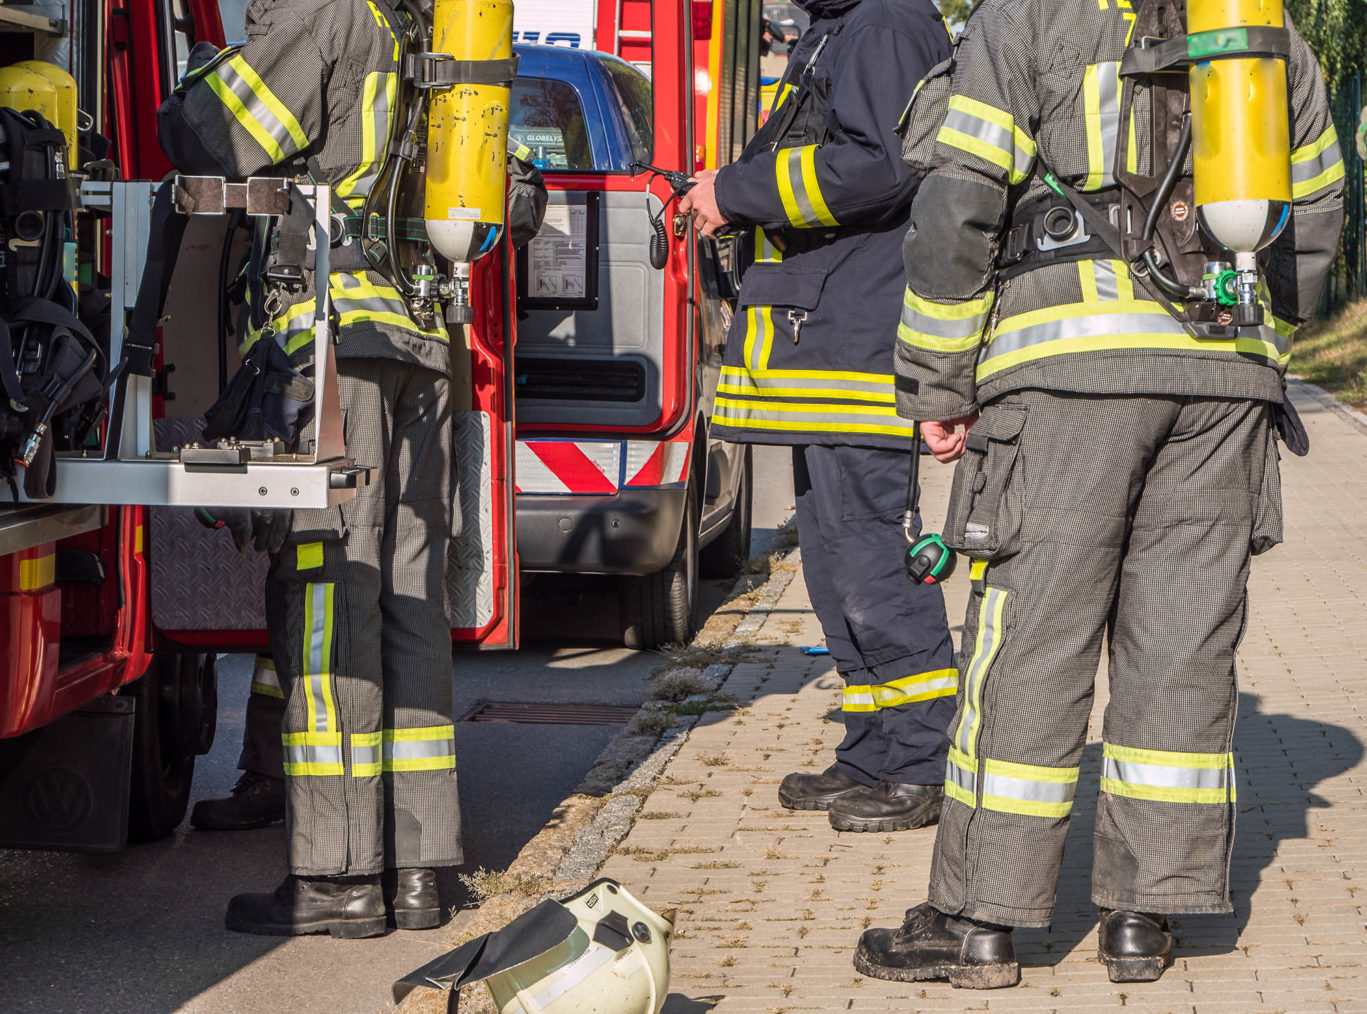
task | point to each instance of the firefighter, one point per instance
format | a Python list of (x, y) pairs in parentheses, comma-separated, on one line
[(258, 798), (1116, 457), (822, 195), (355, 598)]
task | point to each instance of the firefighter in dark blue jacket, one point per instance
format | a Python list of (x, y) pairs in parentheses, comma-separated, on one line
[(823, 195)]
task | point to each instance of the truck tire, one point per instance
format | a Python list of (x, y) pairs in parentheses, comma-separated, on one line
[(730, 551), (164, 746), (662, 608)]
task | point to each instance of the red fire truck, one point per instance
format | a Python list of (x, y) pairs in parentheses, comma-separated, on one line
[(114, 603)]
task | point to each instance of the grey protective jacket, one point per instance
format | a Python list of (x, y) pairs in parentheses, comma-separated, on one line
[(1035, 87)]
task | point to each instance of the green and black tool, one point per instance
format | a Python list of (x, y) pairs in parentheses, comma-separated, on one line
[(929, 560)]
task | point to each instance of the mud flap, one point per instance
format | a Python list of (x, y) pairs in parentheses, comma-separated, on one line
[(65, 786)]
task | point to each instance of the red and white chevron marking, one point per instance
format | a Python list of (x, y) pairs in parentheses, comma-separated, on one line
[(598, 467)]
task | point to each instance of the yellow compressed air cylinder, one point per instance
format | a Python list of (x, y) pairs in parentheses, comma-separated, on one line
[(467, 132), (66, 116), (21, 89), (1240, 133)]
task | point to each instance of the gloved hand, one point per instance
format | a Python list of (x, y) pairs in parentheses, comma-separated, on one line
[(264, 531)]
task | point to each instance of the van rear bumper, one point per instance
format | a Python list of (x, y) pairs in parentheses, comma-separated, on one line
[(633, 531)]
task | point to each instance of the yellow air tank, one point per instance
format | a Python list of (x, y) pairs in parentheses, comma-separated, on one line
[(65, 119), (1240, 135), (467, 132), (22, 89)]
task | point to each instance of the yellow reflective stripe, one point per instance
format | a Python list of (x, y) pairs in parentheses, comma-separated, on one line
[(267, 98), (365, 754), (1087, 279), (759, 336), (831, 386), (265, 680), (858, 697), (1307, 187), (785, 186), (850, 375), (432, 748), (814, 407), (1315, 148), (317, 661), (248, 122), (977, 570), (943, 327), (782, 97), (961, 777), (1101, 114), (987, 644), (348, 185), (990, 134), (38, 572), (309, 555), (750, 390), (813, 187), (1116, 342), (1028, 789), (924, 686), (312, 753), (1167, 776), (811, 417), (765, 251)]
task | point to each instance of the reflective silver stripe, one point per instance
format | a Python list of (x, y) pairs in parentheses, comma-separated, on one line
[(377, 127), (318, 657), (366, 755), (1303, 172), (1107, 284), (969, 327), (989, 637), (1162, 776), (1108, 85), (1028, 789), (984, 130), (371, 304), (265, 680), (800, 195), (572, 973), (258, 110), (765, 251), (1090, 326), (758, 386), (834, 416), (311, 754), (964, 779), (416, 749)]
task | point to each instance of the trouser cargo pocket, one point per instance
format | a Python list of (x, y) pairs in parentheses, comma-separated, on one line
[(1267, 511), (984, 510)]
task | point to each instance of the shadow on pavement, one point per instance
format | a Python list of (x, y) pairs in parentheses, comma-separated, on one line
[(1279, 760)]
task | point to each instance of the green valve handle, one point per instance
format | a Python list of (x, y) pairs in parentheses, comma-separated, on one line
[(1227, 288)]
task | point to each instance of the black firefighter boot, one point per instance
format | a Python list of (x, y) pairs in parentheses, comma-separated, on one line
[(255, 801), (1134, 946), (888, 806), (348, 907), (803, 791), (412, 896), (932, 945)]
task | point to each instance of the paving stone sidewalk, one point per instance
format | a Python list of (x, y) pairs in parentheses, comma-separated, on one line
[(772, 901)]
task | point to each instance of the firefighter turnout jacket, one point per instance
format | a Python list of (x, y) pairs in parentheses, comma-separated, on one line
[(1035, 89), (312, 91), (822, 194)]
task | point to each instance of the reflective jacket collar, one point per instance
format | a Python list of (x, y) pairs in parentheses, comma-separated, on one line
[(827, 8)]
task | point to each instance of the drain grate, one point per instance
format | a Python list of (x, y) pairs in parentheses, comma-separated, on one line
[(537, 713)]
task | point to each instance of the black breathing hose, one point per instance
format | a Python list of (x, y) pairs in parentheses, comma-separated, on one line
[(1172, 286)]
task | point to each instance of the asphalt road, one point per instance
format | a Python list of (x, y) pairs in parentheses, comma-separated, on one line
[(141, 932)]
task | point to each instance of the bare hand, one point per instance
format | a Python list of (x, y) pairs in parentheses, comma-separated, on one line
[(701, 203), (945, 440)]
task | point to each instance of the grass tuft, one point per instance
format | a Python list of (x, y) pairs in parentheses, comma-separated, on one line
[(1332, 354)]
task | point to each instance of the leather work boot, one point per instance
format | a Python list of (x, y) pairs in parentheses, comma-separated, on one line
[(348, 907), (932, 945), (1135, 946), (255, 801), (888, 806), (412, 896), (802, 791)]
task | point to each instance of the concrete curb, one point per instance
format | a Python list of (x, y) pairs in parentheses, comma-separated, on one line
[(1352, 416), (595, 843)]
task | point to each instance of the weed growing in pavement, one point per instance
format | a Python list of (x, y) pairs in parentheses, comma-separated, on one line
[(645, 855), (715, 760), (716, 864), (652, 722), (693, 795), (660, 815), (700, 654), (485, 884)]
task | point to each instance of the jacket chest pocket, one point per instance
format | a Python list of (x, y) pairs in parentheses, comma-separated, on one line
[(986, 499)]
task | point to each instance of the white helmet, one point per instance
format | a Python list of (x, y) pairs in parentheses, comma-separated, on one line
[(598, 952)]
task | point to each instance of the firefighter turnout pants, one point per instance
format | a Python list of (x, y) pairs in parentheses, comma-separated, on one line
[(888, 637), (1125, 517), (361, 637), (261, 748)]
